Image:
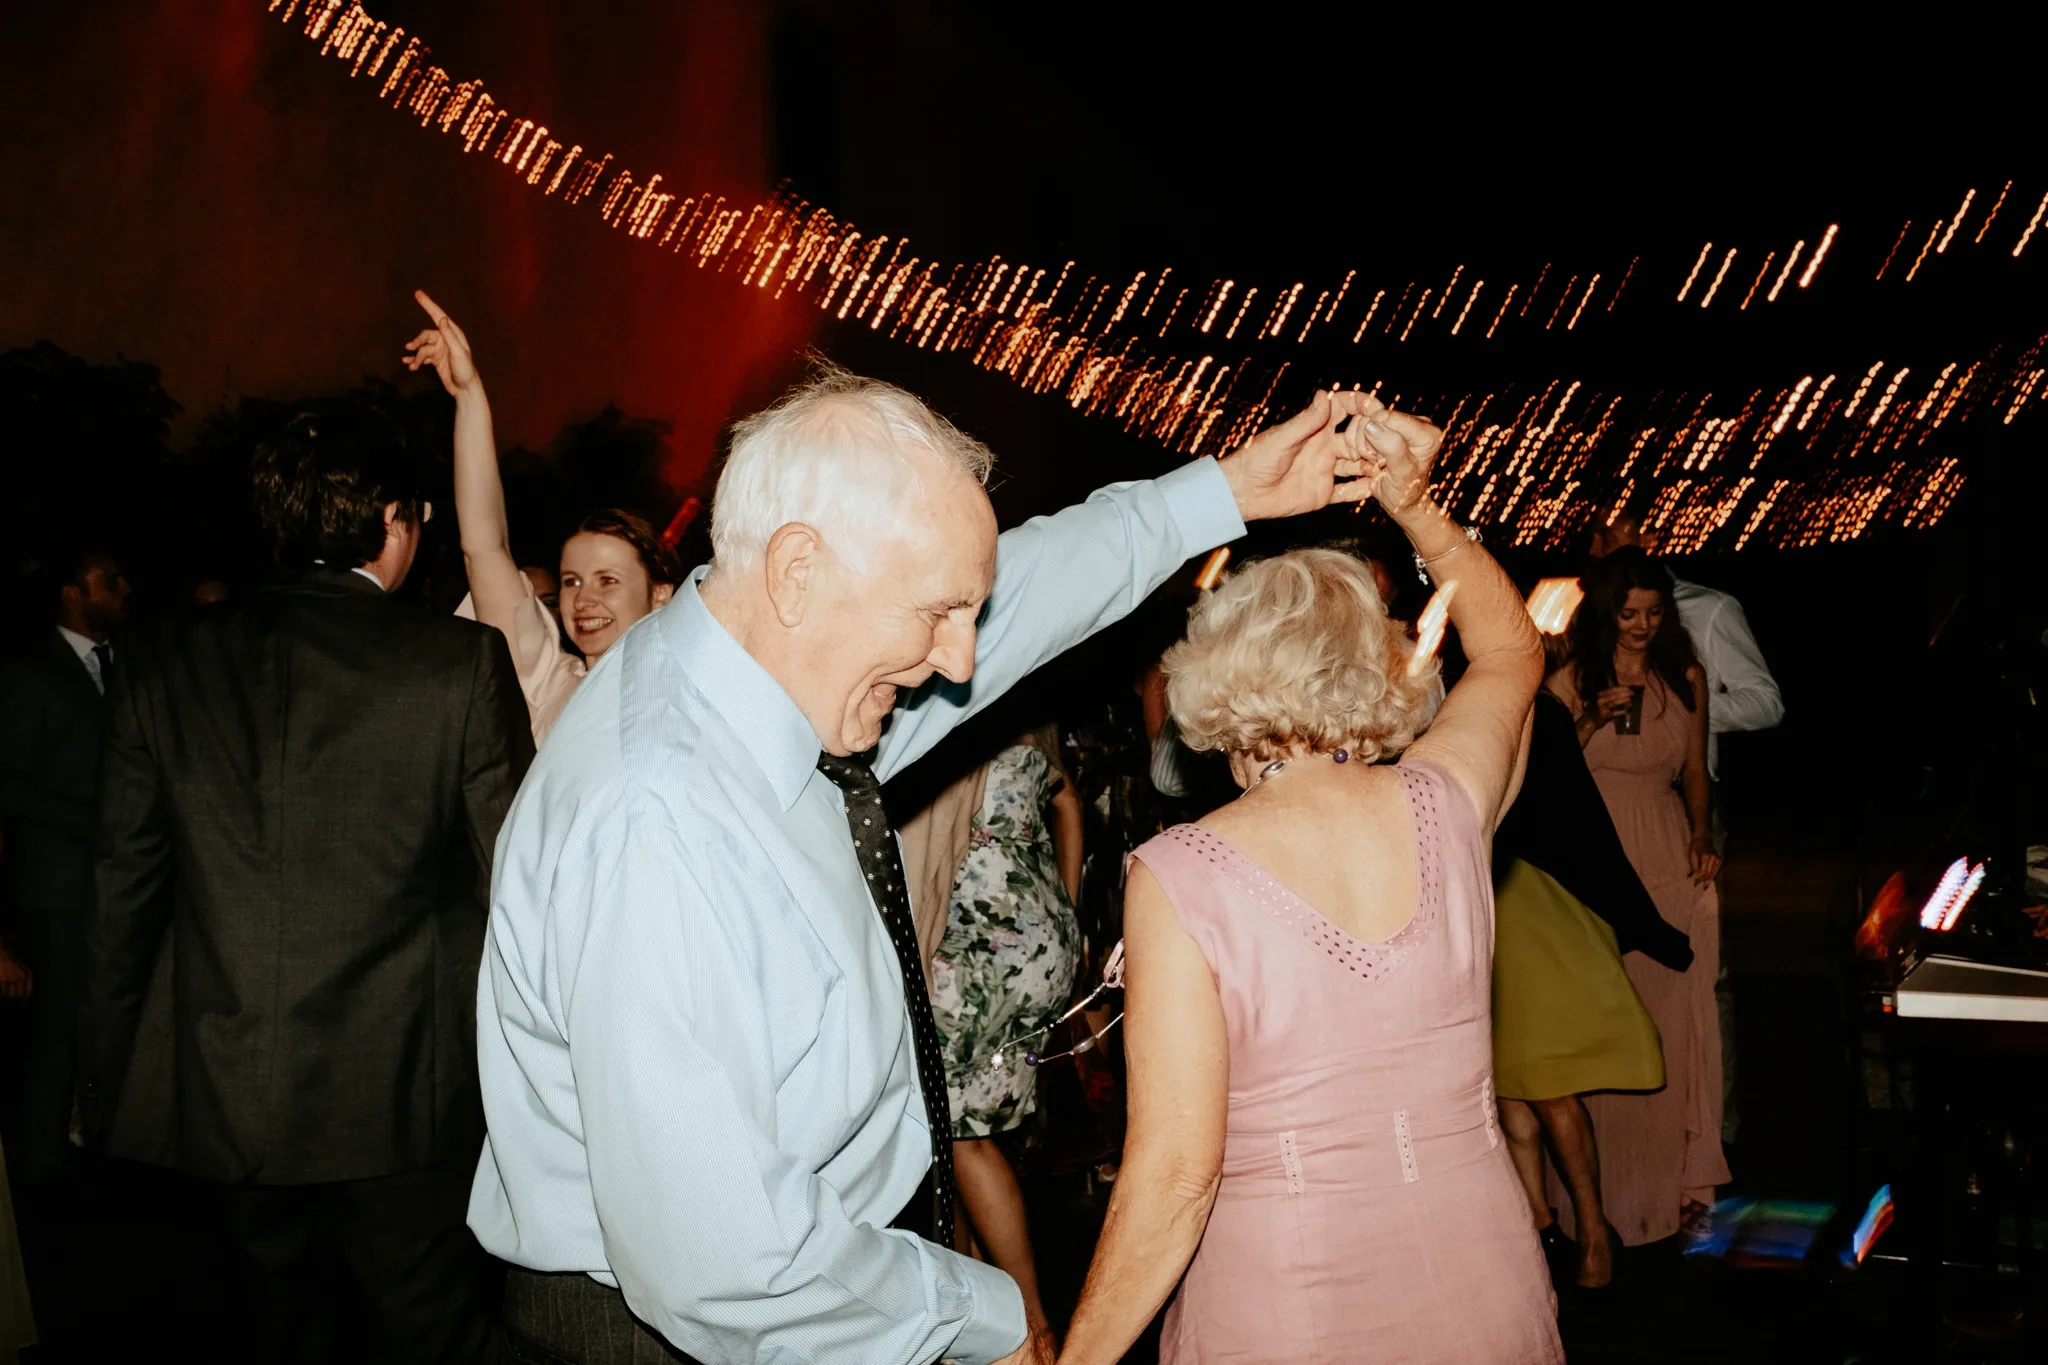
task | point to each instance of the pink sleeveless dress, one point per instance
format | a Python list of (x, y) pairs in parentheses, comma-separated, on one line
[(1367, 1210)]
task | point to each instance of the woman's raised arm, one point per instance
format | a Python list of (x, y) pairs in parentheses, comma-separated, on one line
[(497, 588), (1481, 734)]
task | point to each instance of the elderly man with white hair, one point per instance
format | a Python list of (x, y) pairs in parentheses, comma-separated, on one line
[(717, 1111)]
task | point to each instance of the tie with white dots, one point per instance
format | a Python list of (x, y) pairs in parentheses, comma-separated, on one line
[(875, 842)]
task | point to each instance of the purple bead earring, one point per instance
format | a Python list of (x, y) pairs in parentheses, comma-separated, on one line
[(1342, 755)]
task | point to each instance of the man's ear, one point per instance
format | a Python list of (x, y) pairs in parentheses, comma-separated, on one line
[(788, 566)]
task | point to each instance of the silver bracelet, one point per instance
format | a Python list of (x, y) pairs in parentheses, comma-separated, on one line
[(1472, 537)]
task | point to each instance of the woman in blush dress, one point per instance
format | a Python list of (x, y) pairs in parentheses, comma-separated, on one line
[(614, 569), (1641, 702), (1313, 1138)]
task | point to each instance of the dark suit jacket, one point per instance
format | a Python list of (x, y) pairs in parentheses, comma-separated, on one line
[(49, 765), (1560, 824), (298, 800)]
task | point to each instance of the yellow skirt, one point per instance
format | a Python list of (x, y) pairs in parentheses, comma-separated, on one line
[(1565, 1018)]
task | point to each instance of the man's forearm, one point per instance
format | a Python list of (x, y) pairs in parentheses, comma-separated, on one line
[(1059, 579)]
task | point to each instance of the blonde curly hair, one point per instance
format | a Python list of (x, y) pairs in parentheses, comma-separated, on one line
[(1297, 650)]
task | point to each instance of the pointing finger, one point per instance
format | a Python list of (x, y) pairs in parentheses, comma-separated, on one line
[(434, 310)]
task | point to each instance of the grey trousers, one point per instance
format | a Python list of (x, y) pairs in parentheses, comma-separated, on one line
[(571, 1319)]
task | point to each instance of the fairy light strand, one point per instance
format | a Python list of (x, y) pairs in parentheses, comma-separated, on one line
[(1522, 462)]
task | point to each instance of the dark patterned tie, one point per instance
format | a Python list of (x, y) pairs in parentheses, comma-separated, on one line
[(882, 862)]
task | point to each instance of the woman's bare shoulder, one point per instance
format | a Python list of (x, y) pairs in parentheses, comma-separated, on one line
[(1279, 813)]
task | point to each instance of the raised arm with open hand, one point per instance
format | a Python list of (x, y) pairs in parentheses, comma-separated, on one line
[(497, 588)]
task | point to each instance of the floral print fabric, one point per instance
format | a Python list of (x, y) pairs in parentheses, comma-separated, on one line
[(1007, 961)]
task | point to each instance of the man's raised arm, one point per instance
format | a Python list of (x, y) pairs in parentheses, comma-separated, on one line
[(1061, 578)]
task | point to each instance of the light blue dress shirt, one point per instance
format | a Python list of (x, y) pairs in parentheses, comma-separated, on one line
[(695, 1055)]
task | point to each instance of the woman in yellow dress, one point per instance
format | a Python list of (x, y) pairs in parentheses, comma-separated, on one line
[(1565, 1018)]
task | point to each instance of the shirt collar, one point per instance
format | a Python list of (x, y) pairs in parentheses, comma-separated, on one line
[(81, 645), (764, 716)]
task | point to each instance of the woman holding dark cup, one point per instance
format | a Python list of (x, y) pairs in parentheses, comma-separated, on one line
[(1640, 698)]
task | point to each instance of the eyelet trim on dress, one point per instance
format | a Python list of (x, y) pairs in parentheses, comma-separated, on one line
[(1489, 1112), (1407, 1146), (1290, 1161), (1369, 961)]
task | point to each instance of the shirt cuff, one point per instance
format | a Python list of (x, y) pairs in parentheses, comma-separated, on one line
[(995, 1325), (1202, 505)]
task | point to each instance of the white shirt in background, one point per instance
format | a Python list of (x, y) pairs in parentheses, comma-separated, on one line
[(1741, 693)]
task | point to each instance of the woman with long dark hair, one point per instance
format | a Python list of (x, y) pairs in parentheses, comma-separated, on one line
[(1640, 698)]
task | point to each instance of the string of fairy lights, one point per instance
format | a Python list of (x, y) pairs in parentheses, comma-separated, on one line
[(1825, 458)]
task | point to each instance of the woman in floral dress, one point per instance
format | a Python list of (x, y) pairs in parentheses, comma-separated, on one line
[(1005, 967)]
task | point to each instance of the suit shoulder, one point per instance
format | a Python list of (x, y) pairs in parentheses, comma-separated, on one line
[(455, 636)]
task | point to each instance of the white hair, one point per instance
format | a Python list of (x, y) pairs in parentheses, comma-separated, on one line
[(839, 453)]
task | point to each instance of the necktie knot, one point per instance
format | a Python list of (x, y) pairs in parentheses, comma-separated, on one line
[(854, 775)]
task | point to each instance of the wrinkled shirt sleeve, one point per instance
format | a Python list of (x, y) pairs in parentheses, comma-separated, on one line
[(722, 1240), (1061, 578), (1743, 694)]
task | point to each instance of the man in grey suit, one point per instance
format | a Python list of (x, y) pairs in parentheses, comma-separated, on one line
[(299, 795), (50, 712)]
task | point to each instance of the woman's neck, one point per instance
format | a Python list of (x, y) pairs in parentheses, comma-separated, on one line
[(1630, 663)]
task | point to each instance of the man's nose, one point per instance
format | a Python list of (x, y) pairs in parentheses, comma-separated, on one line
[(953, 650)]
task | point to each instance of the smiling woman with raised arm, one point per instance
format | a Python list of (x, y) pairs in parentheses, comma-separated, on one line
[(614, 569), (1312, 1132)]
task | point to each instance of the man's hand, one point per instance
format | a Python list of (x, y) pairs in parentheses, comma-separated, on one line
[(1295, 467), (445, 348), (1036, 1350)]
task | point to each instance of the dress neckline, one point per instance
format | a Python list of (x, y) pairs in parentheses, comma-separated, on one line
[(1367, 957)]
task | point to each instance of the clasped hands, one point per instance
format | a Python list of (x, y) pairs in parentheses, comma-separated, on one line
[(1345, 446)]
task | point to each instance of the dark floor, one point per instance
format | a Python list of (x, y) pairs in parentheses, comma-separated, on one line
[(125, 1260)]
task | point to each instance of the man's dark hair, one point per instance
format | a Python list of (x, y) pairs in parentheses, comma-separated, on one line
[(321, 486), (66, 565)]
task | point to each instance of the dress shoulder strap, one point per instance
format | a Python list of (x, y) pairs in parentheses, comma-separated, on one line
[(1442, 809), (1187, 860)]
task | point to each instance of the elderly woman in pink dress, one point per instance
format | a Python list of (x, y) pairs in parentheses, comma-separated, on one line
[(1313, 1138), (614, 570)]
